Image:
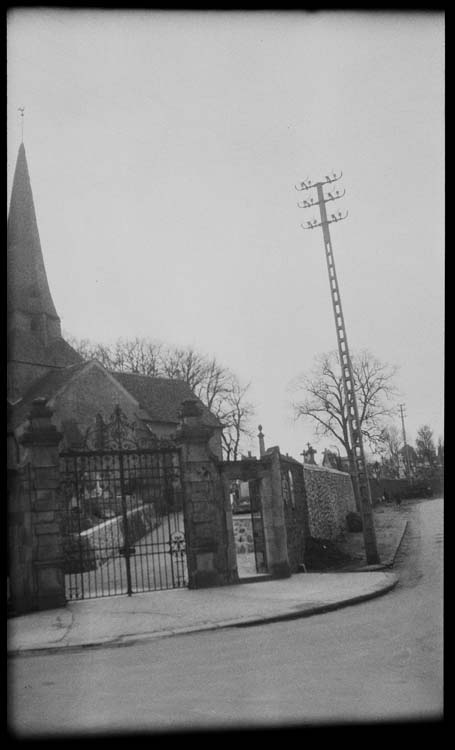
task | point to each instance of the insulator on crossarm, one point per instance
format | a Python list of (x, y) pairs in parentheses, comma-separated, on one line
[(334, 177)]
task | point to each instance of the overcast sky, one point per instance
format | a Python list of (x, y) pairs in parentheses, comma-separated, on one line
[(163, 150)]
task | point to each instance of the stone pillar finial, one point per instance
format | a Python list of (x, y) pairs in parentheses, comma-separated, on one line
[(192, 427), (190, 408), (261, 441), (40, 430)]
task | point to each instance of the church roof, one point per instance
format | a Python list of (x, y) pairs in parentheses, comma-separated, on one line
[(25, 346), (62, 354), (28, 288), (161, 397), (44, 387)]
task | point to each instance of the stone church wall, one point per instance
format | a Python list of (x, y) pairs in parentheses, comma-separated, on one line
[(91, 393)]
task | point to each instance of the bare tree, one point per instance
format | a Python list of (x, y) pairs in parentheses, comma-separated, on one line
[(426, 451), (185, 364), (219, 389), (92, 350), (235, 413), (216, 386), (137, 355), (323, 401), (389, 449)]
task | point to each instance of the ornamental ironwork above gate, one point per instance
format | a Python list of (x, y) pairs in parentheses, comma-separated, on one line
[(119, 434)]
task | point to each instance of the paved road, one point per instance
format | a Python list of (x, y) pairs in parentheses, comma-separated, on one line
[(381, 660)]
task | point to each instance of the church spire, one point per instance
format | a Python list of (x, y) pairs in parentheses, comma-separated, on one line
[(35, 343), (28, 288)]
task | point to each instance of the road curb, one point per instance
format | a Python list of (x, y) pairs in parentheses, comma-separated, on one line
[(378, 567), (399, 544), (321, 609), (125, 640)]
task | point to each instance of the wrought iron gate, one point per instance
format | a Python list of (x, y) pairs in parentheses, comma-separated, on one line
[(123, 526)]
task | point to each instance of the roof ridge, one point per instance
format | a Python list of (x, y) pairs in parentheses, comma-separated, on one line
[(152, 377)]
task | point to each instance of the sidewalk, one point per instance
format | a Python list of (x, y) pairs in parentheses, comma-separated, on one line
[(123, 620), (390, 523)]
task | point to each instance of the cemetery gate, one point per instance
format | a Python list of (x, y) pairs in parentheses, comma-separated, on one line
[(123, 524)]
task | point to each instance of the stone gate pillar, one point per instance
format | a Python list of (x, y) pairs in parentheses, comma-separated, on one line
[(273, 517), (36, 563), (209, 536)]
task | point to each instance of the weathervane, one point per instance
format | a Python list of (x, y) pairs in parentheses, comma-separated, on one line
[(21, 110)]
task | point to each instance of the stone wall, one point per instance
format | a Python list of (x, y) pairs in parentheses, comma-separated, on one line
[(35, 561), (295, 511), (265, 474), (209, 534), (20, 541), (330, 497), (97, 544), (243, 534)]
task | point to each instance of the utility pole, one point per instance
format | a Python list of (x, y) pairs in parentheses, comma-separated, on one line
[(406, 456), (361, 484)]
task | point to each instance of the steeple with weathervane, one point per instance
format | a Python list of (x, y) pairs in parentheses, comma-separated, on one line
[(35, 343)]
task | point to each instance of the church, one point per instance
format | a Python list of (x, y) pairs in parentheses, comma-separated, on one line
[(41, 364)]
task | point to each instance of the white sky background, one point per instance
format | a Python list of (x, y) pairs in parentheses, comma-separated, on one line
[(163, 149)]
